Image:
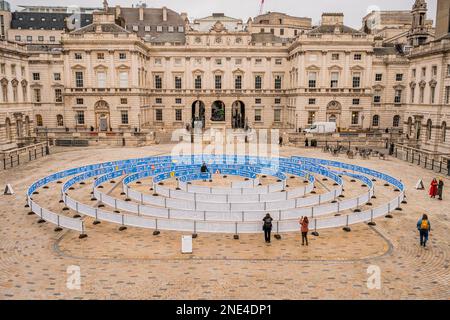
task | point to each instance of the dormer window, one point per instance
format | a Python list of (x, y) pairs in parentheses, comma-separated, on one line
[(136, 28), (171, 29), (147, 29), (180, 29), (159, 29)]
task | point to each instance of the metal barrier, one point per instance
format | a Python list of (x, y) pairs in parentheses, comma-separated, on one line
[(169, 223)]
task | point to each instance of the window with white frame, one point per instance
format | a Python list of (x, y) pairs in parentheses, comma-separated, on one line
[(312, 79), (238, 82), (178, 82), (37, 95), (334, 79), (101, 79), (258, 115), (311, 117), (278, 83), (277, 115), (158, 81), (80, 117), (123, 79), (218, 82), (398, 96), (447, 95), (355, 117), (124, 116), (79, 80), (375, 120), (178, 115), (258, 82), (58, 95), (158, 114), (356, 81), (198, 82)]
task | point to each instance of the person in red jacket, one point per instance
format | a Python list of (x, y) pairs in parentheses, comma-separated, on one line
[(433, 188), (304, 222)]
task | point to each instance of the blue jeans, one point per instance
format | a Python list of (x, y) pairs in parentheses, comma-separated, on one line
[(423, 237)]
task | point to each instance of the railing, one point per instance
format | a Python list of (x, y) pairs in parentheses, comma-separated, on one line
[(16, 157), (437, 162)]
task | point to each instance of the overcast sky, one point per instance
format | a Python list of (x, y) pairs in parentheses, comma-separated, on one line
[(354, 10)]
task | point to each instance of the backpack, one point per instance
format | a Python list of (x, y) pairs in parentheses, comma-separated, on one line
[(424, 225), (268, 223)]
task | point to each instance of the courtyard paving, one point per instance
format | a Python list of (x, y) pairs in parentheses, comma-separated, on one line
[(134, 264)]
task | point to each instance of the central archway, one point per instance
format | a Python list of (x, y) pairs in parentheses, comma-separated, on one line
[(218, 111), (198, 113), (238, 115)]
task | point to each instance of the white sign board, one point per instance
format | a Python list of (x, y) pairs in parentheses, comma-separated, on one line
[(8, 190), (419, 185), (186, 244)]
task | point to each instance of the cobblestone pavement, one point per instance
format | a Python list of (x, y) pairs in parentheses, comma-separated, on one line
[(134, 264)]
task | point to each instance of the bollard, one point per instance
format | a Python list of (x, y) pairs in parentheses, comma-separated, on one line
[(371, 223), (315, 233), (82, 235), (58, 228), (236, 236), (96, 221), (195, 235), (156, 232), (277, 235), (347, 228), (41, 220)]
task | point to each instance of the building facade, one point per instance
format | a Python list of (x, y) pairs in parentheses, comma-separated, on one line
[(144, 69)]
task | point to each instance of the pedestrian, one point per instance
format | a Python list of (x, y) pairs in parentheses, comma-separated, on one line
[(433, 188), (304, 222), (280, 140), (306, 142), (204, 170), (267, 227), (424, 227), (440, 189)]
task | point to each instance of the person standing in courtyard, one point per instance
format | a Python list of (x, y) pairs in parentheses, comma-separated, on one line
[(267, 227), (306, 142), (304, 223), (204, 169), (424, 227), (440, 189), (433, 188)]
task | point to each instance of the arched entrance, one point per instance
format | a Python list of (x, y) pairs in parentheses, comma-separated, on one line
[(238, 115), (218, 111), (334, 110), (198, 113), (102, 117)]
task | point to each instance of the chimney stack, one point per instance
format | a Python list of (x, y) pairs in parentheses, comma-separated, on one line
[(141, 13), (164, 12)]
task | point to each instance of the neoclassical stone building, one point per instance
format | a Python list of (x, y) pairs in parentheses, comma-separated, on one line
[(145, 69)]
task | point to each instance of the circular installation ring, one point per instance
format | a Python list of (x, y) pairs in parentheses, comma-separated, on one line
[(239, 217)]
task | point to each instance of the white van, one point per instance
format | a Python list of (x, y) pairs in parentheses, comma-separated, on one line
[(322, 127)]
